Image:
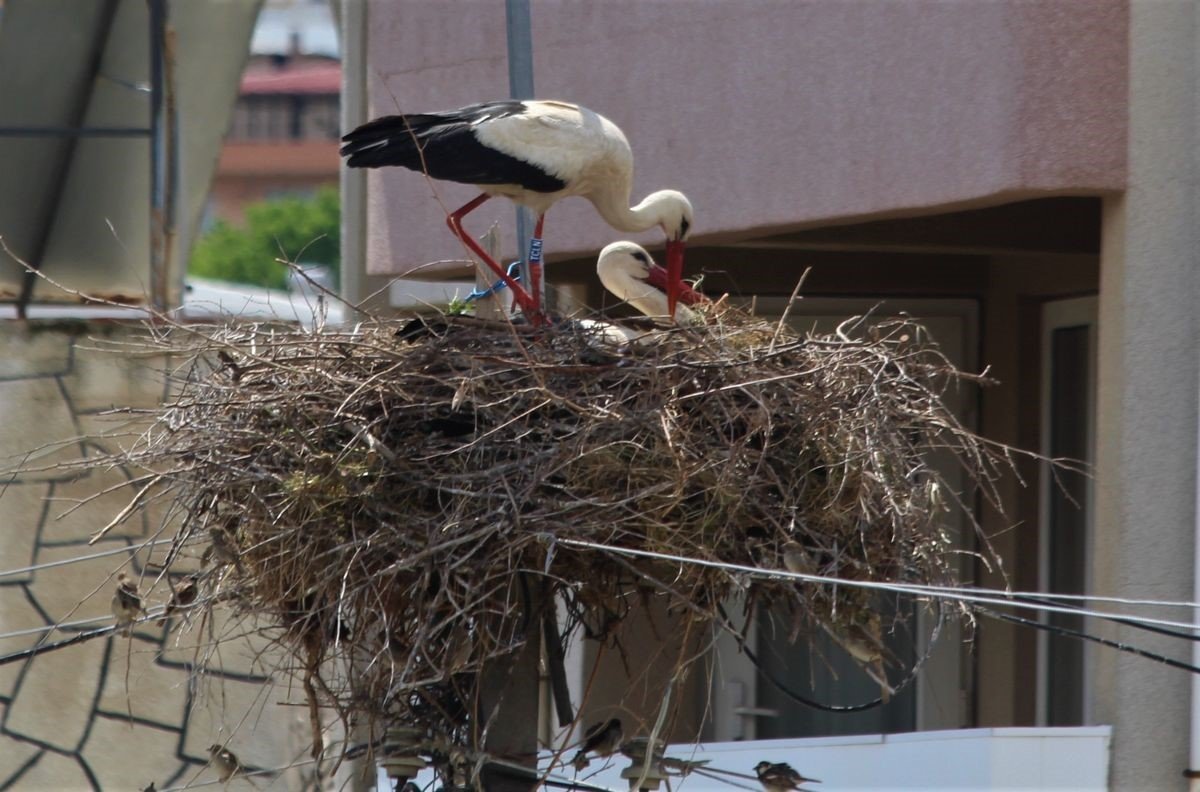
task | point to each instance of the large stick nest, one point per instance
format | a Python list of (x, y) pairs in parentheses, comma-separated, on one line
[(393, 497)]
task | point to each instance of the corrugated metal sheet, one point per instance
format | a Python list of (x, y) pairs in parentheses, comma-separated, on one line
[(79, 208)]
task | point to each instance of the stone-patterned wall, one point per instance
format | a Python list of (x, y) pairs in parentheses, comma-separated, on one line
[(109, 713)]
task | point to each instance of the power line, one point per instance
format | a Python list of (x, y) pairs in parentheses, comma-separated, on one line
[(88, 557), (961, 594), (51, 627), (1081, 635)]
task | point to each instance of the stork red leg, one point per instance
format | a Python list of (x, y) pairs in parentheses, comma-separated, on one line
[(535, 263), (528, 305)]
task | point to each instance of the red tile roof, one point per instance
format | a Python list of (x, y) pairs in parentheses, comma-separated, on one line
[(307, 79)]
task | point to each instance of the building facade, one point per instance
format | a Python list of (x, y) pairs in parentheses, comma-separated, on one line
[(1021, 175)]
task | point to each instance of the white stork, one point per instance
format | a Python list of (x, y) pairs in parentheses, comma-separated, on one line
[(626, 270), (535, 153)]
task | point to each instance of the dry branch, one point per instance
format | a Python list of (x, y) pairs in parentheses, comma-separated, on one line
[(384, 494)]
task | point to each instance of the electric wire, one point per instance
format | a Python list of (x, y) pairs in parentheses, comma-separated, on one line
[(1083, 636), (88, 557), (1001, 598)]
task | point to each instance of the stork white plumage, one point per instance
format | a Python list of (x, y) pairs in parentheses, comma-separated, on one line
[(534, 153), (629, 273)]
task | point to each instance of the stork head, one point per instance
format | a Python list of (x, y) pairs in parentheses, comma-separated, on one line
[(675, 218), (622, 265), (674, 213)]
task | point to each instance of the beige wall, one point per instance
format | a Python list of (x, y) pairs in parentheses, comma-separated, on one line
[(65, 715), (1147, 401), (772, 114)]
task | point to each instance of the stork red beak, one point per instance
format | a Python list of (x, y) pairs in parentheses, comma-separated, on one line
[(660, 278), (674, 273)]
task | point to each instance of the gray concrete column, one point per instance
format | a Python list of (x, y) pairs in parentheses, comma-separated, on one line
[(1147, 400)]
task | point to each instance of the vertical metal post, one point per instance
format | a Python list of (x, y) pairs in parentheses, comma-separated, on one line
[(158, 164), (354, 180), (520, 86), (507, 694)]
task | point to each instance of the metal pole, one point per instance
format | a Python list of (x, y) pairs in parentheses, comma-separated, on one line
[(158, 165), (520, 86), (354, 180)]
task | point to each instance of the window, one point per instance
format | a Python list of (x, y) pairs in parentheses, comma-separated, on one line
[(285, 117), (1068, 385)]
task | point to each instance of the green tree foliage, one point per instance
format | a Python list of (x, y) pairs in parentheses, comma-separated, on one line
[(303, 230)]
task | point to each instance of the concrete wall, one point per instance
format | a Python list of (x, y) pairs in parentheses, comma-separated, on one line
[(114, 712), (772, 115), (98, 229), (1147, 399)]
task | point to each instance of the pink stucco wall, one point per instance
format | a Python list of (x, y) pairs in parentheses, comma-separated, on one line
[(772, 114)]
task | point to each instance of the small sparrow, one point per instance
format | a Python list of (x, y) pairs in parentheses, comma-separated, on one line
[(865, 644), (796, 559), (224, 548), (226, 763), (601, 739), (182, 595), (126, 604), (780, 777), (683, 767)]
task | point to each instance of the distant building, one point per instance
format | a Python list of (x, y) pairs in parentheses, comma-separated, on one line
[(283, 136)]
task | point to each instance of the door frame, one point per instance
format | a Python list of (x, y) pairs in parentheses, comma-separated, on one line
[(1057, 315), (947, 674)]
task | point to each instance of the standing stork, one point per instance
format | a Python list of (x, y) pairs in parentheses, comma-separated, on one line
[(534, 153), (626, 270)]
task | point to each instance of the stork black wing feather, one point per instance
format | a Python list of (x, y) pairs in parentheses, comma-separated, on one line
[(445, 146)]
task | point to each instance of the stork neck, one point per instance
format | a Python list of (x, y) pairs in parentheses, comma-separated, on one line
[(617, 212)]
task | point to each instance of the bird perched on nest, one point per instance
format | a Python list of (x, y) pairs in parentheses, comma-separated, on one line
[(601, 739), (534, 153), (223, 548), (780, 777), (126, 604), (182, 595), (226, 763), (863, 642), (796, 559), (630, 274)]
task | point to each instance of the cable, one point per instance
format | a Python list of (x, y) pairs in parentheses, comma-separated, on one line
[(43, 648), (1007, 599), (780, 686), (1067, 631), (713, 774), (1128, 622), (89, 557), (953, 589), (51, 627)]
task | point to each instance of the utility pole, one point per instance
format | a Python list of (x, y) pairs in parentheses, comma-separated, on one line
[(520, 86), (510, 689)]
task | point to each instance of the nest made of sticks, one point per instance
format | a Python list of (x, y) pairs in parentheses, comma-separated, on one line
[(394, 496)]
